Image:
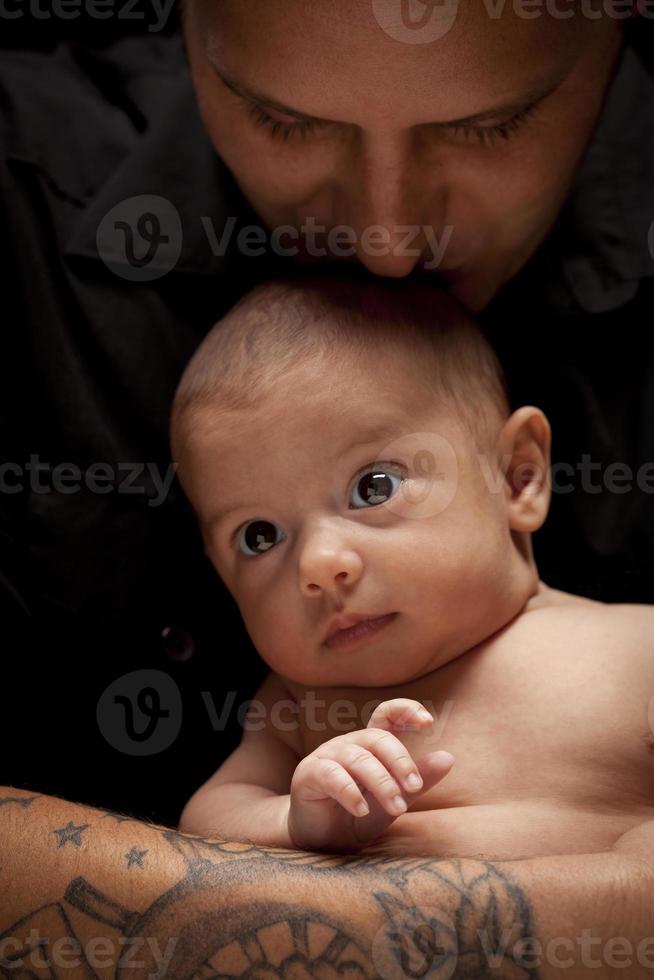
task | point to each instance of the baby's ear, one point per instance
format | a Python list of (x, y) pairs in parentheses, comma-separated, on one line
[(525, 444)]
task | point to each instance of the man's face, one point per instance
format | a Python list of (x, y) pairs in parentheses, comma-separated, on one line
[(351, 492), (452, 158)]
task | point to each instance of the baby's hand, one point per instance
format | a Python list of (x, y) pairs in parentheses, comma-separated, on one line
[(347, 791)]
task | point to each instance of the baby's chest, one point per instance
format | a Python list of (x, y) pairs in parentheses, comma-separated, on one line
[(513, 739)]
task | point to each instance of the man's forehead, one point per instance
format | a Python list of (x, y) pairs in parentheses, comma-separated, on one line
[(489, 55)]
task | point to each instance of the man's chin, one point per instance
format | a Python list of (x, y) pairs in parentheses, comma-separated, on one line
[(471, 289)]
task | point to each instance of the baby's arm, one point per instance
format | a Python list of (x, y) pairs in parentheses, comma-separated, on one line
[(264, 793), (247, 798)]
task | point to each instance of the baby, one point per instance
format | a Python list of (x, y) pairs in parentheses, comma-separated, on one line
[(368, 497)]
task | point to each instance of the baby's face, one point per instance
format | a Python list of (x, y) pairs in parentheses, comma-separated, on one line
[(351, 494)]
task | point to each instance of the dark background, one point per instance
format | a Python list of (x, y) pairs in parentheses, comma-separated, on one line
[(137, 17), (35, 30)]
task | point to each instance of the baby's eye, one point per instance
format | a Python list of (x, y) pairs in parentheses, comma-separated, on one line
[(258, 537), (376, 486)]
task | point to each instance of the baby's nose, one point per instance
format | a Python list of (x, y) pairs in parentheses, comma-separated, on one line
[(328, 566)]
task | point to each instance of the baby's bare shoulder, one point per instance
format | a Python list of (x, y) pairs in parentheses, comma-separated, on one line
[(603, 652), (630, 626), (558, 604), (571, 621), (625, 625)]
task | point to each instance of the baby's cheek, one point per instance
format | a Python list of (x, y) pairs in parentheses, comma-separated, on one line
[(452, 574), (269, 622)]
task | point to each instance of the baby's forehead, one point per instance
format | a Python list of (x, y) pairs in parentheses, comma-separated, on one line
[(332, 384), (327, 421)]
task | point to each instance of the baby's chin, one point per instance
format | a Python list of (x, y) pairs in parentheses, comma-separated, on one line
[(409, 646), (373, 666)]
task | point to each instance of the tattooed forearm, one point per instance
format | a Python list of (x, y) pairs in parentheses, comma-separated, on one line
[(166, 904), (330, 916), (241, 910)]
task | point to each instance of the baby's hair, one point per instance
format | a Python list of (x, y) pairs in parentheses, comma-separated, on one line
[(324, 319)]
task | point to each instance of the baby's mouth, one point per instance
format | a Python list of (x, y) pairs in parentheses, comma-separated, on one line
[(362, 629)]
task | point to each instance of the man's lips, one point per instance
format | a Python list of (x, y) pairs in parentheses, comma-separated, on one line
[(346, 629)]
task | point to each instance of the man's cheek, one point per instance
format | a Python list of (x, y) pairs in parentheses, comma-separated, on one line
[(525, 211), (281, 189)]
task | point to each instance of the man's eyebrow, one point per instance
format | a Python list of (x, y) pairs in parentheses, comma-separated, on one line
[(264, 100), (503, 111)]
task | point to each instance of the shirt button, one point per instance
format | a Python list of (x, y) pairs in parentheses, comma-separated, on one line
[(178, 643)]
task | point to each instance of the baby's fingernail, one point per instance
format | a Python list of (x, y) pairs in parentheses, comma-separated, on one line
[(398, 803), (424, 715), (443, 757), (362, 809), (413, 781)]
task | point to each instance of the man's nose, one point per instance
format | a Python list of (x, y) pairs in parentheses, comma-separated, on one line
[(328, 563), (389, 205)]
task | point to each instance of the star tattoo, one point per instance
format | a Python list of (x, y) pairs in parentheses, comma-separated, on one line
[(70, 834), (135, 857), (21, 800)]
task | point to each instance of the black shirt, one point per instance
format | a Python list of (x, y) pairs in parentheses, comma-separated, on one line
[(113, 206)]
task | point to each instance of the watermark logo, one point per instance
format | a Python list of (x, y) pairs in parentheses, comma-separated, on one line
[(567, 9), (418, 941), (416, 21), (31, 953), (140, 713), (140, 239), (322, 242), (66, 478), (156, 14), (432, 475)]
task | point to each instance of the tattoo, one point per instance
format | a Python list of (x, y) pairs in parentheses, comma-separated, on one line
[(70, 834), (248, 911), (23, 801), (85, 898), (135, 857)]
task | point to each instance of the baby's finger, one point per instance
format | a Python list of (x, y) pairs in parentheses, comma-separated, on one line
[(401, 714), (394, 755), (372, 773), (326, 777), (434, 766)]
